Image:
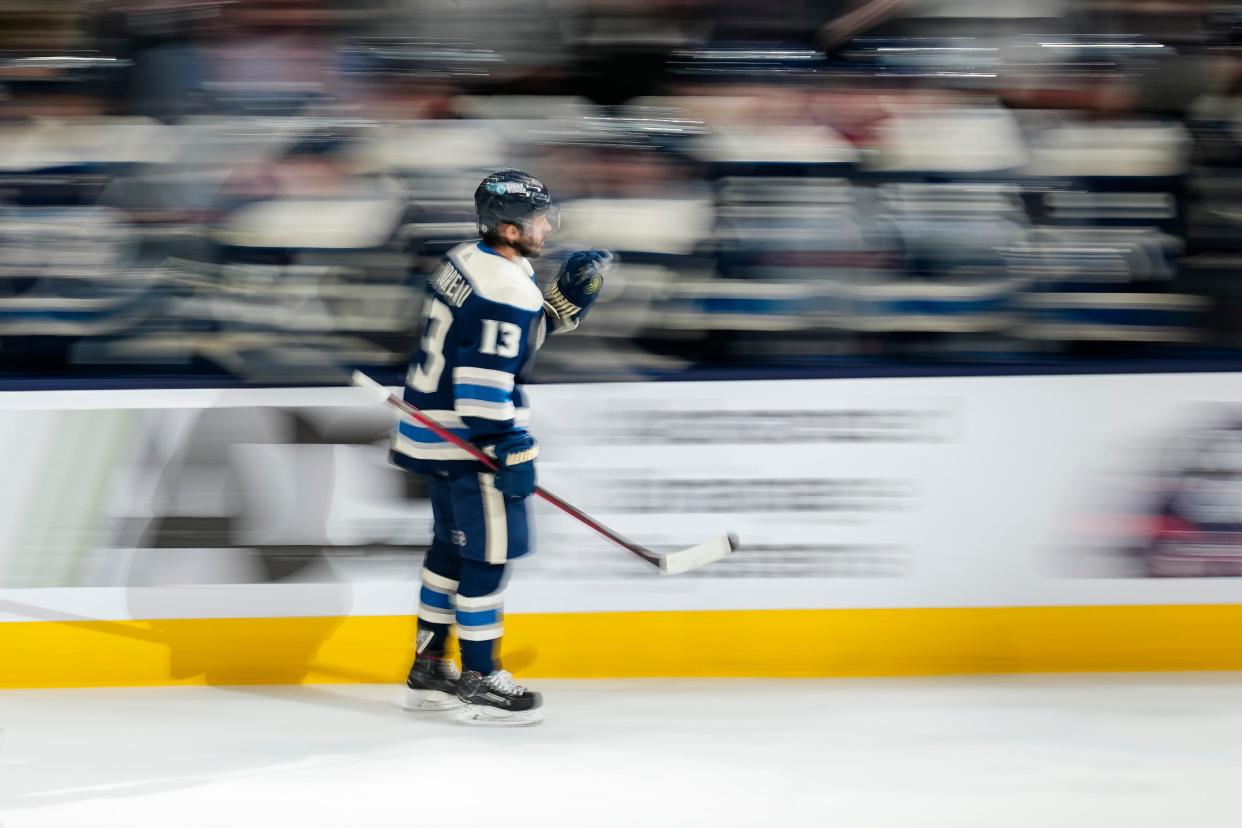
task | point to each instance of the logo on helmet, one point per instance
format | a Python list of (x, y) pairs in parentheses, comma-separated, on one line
[(505, 187)]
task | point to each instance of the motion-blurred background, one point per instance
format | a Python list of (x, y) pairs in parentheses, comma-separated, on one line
[(253, 191)]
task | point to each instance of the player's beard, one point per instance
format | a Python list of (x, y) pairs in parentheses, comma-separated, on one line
[(530, 248)]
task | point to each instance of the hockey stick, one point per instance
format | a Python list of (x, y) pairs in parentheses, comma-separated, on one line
[(674, 563)]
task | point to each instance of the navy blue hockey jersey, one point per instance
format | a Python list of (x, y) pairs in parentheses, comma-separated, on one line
[(482, 323)]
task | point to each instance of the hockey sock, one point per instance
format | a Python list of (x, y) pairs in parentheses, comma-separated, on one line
[(437, 599), (480, 611)]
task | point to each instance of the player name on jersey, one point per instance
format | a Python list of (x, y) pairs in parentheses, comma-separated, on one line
[(451, 286)]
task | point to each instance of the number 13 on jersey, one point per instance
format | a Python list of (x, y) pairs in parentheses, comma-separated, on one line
[(502, 339), (426, 377)]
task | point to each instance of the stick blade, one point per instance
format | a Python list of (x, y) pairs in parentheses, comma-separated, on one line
[(685, 560)]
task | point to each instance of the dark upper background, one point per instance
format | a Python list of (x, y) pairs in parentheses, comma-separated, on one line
[(203, 192)]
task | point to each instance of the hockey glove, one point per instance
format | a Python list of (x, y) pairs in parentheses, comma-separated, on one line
[(578, 284), (515, 456)]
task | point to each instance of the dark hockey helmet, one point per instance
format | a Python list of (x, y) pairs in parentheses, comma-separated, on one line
[(514, 197)]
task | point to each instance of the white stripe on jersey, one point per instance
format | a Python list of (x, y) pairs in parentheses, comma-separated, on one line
[(441, 449), (486, 409), (466, 375), (448, 419), (429, 451), (451, 419)]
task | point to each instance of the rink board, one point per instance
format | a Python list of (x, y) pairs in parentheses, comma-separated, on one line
[(889, 527), (775, 643)]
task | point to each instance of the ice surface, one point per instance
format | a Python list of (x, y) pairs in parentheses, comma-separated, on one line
[(1006, 751)]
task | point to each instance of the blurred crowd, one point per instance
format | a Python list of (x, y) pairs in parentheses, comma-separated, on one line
[(257, 189)]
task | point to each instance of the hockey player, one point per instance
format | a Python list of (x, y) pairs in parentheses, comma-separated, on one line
[(483, 320)]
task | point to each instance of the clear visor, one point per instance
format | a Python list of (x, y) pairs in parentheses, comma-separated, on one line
[(553, 215)]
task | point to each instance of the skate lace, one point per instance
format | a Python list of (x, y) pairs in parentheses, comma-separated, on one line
[(502, 680), (449, 668)]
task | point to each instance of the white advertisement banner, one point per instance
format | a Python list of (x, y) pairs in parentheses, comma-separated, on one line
[(945, 492)]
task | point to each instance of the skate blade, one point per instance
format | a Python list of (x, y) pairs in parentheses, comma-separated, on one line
[(479, 715), (427, 701)]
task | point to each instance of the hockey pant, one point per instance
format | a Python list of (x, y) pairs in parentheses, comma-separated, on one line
[(476, 531)]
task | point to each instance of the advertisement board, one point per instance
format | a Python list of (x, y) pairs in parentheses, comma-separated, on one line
[(993, 491), (848, 495)]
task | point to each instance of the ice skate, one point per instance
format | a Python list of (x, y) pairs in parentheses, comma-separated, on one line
[(431, 685), (496, 700)]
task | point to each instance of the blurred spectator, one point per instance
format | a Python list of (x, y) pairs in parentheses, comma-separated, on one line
[(530, 37), (163, 41), (787, 185), (271, 57)]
